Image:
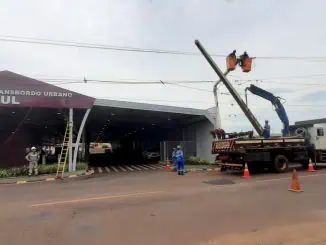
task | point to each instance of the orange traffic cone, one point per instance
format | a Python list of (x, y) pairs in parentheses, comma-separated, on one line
[(246, 173), (167, 166), (311, 167), (295, 184)]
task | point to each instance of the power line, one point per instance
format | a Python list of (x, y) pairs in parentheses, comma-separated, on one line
[(73, 81), (173, 83), (17, 39), (184, 86), (284, 77), (192, 101), (124, 81), (96, 46), (148, 82), (278, 82)]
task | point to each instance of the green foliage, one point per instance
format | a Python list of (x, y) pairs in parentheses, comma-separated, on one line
[(81, 166), (49, 168), (42, 169), (4, 173), (196, 161)]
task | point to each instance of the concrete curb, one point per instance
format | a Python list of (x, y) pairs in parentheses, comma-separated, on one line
[(47, 179)]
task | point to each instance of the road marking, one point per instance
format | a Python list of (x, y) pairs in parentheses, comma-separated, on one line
[(147, 166), (115, 169), (129, 168), (123, 169), (107, 169), (141, 166), (133, 166), (93, 199), (50, 179), (156, 166), (73, 176), (100, 170)]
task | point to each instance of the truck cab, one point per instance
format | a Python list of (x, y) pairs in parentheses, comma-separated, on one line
[(314, 131), (317, 135)]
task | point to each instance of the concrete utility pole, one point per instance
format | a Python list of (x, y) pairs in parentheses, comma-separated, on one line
[(218, 123)]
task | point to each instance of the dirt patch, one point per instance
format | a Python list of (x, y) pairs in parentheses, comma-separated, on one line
[(299, 234)]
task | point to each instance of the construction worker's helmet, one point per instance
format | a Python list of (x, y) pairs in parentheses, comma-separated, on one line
[(33, 148), (178, 147)]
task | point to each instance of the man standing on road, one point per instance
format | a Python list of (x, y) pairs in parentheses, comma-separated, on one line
[(33, 158), (180, 160)]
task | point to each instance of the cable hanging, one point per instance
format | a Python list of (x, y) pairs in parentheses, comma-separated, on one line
[(17, 39)]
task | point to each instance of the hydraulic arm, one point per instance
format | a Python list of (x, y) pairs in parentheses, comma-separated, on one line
[(276, 102)]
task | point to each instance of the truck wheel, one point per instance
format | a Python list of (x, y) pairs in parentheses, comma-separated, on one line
[(223, 168), (281, 164)]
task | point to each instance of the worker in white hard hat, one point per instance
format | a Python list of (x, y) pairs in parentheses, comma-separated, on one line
[(33, 157)]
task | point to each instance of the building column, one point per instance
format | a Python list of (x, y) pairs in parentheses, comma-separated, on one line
[(80, 131), (71, 124)]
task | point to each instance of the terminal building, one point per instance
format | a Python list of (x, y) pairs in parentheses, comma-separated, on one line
[(35, 113)]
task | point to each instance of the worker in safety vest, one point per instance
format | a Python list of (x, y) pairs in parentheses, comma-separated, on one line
[(243, 58), (180, 160), (267, 130), (174, 158), (33, 157)]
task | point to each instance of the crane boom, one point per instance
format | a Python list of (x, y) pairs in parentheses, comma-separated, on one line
[(276, 102), (233, 92)]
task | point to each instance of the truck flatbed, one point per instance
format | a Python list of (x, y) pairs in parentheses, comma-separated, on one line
[(241, 145)]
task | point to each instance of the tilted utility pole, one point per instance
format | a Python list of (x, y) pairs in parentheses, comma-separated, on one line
[(233, 92)]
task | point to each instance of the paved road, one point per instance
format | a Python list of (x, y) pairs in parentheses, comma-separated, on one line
[(155, 207)]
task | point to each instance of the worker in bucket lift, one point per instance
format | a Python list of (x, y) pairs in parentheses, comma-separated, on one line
[(174, 159), (233, 54), (267, 130), (33, 157), (243, 58), (180, 160)]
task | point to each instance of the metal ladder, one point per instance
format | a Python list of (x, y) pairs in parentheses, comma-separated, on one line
[(64, 153)]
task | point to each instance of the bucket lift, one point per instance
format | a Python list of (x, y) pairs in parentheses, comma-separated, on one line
[(244, 61)]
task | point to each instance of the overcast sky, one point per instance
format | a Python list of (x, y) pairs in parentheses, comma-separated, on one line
[(263, 28)]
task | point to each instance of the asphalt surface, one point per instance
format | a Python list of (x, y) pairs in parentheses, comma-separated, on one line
[(163, 208)]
